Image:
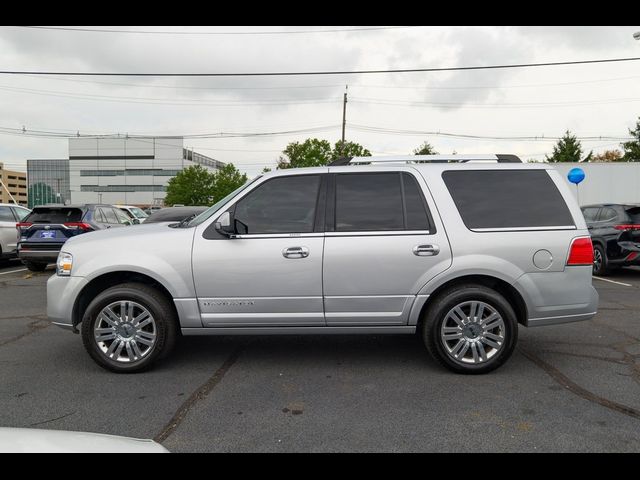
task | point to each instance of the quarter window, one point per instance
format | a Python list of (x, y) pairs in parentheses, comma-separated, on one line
[(109, 215), (279, 205), (590, 214)]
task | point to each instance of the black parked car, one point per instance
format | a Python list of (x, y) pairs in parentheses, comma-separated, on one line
[(615, 233), (43, 232), (174, 214)]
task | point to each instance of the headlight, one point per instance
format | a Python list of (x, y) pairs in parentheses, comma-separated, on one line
[(64, 264)]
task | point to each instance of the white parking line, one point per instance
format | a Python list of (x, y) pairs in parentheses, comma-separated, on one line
[(613, 281), (13, 271)]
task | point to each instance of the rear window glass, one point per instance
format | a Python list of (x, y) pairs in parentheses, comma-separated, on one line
[(54, 215), (634, 214), (507, 199)]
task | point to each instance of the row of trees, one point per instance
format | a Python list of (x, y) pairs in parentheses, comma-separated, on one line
[(198, 186)]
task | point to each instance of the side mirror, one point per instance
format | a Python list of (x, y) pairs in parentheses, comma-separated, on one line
[(224, 224), (135, 221)]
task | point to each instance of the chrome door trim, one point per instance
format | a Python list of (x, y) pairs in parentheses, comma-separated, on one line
[(372, 330), (280, 235), (377, 233), (524, 229)]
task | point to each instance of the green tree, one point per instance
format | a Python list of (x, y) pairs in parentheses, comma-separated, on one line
[(348, 149), (632, 147), (568, 149), (226, 180), (192, 186), (425, 149), (314, 152), (41, 193)]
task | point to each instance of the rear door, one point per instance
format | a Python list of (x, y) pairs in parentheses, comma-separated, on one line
[(8, 234), (381, 246)]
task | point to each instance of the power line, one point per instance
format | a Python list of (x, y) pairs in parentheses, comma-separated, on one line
[(195, 32), (330, 72), (410, 103)]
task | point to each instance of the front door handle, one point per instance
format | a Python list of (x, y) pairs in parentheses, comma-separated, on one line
[(295, 252), (426, 250)]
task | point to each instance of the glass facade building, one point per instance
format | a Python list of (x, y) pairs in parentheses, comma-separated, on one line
[(48, 181)]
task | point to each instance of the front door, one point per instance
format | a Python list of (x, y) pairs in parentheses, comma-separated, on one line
[(381, 246), (8, 232), (270, 274)]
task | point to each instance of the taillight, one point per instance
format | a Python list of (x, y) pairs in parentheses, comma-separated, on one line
[(22, 225), (78, 225), (581, 252), (627, 227)]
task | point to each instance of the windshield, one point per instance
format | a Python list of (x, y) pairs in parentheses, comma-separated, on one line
[(216, 206), (138, 213)]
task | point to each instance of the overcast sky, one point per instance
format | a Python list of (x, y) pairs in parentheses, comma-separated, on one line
[(601, 99)]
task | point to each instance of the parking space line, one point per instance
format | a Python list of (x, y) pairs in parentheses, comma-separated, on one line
[(613, 281), (13, 271)]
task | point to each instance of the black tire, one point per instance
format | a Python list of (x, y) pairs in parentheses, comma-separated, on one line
[(160, 308), (601, 268), (444, 303), (35, 266)]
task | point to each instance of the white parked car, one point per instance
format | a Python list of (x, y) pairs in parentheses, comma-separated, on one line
[(10, 214), (136, 213)]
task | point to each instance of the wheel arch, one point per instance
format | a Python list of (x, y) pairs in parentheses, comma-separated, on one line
[(107, 280), (505, 289)]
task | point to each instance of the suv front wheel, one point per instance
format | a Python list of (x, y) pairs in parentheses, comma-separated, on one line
[(128, 327), (470, 329)]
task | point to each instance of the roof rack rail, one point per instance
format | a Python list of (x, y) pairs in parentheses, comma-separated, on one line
[(489, 158)]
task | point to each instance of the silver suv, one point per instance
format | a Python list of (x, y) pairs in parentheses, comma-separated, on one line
[(459, 249)]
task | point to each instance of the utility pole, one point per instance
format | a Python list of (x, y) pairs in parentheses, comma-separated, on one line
[(344, 115)]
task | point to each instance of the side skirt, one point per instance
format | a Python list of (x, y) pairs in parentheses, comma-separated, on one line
[(299, 330)]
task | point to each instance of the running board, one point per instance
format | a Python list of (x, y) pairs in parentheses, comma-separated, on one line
[(298, 330)]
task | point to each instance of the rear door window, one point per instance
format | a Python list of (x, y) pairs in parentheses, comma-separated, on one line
[(55, 215), (507, 199), (634, 214), (109, 215), (6, 215), (590, 214)]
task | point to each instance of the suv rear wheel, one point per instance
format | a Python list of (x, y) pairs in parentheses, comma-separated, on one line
[(470, 329), (600, 260), (128, 327)]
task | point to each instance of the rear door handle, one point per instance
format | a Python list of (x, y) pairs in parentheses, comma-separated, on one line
[(295, 252), (426, 250)]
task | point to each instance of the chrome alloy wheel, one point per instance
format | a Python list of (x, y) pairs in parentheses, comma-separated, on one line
[(125, 331), (597, 260), (472, 332)]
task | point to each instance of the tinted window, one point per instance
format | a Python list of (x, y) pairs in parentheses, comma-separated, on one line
[(368, 202), (634, 214), (415, 205), (21, 213), (507, 198), (98, 217), (280, 205), (109, 215), (54, 215), (6, 215), (590, 213), (607, 215)]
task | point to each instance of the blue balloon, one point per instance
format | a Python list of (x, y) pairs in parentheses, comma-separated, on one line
[(576, 175)]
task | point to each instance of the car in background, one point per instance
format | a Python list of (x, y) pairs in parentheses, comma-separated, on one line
[(136, 214), (175, 214), (615, 233), (10, 214), (42, 233)]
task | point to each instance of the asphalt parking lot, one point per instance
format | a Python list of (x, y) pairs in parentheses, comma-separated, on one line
[(573, 387)]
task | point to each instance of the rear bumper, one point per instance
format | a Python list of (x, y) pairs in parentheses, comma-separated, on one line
[(39, 254), (558, 297)]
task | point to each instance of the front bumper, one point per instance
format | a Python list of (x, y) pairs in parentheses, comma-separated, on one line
[(62, 293)]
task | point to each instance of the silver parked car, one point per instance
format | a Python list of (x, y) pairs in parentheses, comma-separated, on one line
[(10, 215), (461, 253)]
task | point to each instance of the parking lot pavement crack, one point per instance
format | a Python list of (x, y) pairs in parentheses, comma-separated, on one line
[(33, 327), (200, 394), (53, 419), (576, 389)]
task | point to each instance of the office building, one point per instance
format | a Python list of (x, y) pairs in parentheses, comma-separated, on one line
[(48, 181)]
